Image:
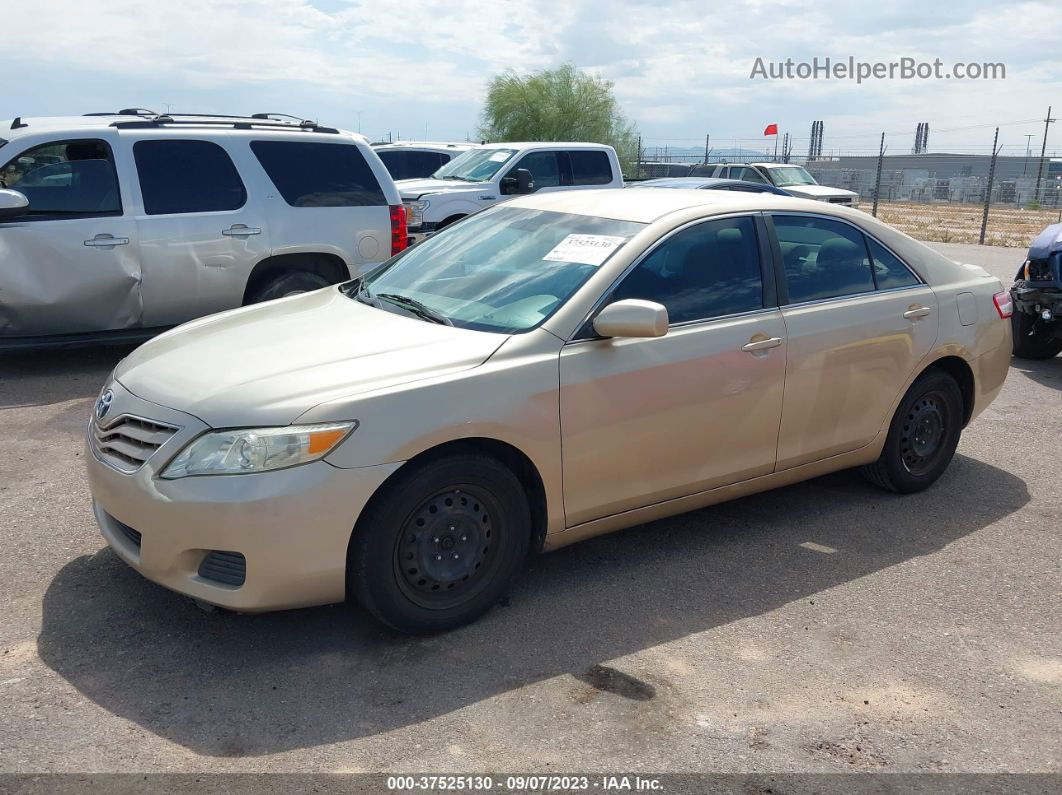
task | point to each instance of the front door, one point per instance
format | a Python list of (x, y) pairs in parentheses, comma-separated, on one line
[(858, 321), (69, 265), (647, 420)]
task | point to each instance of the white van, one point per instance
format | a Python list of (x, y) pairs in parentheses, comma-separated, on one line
[(115, 226)]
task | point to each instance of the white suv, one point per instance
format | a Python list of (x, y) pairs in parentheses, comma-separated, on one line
[(414, 159), (492, 173), (119, 225)]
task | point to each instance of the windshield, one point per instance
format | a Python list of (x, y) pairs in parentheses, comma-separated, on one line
[(505, 269), (475, 165), (790, 175)]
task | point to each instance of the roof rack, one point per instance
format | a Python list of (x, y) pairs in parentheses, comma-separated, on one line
[(124, 112), (236, 122)]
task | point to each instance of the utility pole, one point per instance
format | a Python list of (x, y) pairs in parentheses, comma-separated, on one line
[(1028, 145), (706, 138), (988, 190), (1043, 152), (877, 182)]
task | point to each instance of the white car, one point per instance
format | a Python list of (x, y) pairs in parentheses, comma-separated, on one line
[(116, 226), (788, 176), (492, 173), (418, 159)]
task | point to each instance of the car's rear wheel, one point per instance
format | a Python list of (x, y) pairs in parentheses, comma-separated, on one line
[(288, 283), (441, 545), (1031, 342), (922, 437)]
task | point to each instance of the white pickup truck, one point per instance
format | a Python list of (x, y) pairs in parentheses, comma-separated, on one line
[(492, 173)]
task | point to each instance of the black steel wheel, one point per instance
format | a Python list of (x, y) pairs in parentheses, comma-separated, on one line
[(440, 544), (443, 553), (922, 437)]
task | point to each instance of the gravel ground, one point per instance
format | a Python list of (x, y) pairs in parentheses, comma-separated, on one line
[(822, 627)]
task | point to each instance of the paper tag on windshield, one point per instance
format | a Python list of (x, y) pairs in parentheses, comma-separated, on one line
[(585, 249), (497, 157)]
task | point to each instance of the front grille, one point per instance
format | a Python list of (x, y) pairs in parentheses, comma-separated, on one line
[(228, 568), (131, 535), (127, 442)]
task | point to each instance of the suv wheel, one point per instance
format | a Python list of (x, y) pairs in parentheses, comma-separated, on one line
[(1030, 345), (441, 544), (289, 283), (922, 437)]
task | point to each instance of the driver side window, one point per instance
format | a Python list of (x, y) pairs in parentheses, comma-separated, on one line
[(545, 172), (68, 178)]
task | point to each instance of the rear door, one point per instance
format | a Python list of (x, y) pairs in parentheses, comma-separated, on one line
[(69, 265), (201, 227), (858, 322)]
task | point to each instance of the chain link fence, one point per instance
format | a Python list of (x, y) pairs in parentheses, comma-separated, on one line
[(932, 197)]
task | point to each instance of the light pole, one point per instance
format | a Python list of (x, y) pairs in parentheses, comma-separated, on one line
[(1028, 145)]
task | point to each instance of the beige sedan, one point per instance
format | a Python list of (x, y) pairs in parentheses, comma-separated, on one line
[(553, 368)]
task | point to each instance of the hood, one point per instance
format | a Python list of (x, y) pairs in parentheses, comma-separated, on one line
[(415, 188), (269, 363), (818, 191)]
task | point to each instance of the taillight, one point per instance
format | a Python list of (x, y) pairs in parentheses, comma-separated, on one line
[(1004, 305), (399, 233)]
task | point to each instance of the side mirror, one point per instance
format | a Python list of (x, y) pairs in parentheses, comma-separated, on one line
[(521, 182), (632, 318), (12, 204)]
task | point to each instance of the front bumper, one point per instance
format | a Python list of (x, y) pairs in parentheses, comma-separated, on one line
[(291, 526)]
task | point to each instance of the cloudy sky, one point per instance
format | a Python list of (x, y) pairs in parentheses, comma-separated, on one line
[(419, 67)]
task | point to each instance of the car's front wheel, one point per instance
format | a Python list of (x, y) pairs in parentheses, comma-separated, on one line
[(922, 437), (441, 544)]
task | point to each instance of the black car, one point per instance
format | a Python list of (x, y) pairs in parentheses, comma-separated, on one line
[(1037, 295)]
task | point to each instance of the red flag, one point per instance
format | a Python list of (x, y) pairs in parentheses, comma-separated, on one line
[(771, 129)]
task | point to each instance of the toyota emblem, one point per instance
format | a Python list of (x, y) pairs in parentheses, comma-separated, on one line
[(103, 404)]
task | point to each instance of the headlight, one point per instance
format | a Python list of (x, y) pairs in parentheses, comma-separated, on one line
[(246, 450), (415, 212)]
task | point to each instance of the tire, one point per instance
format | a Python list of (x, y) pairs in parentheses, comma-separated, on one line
[(1032, 346), (922, 437), (441, 545), (288, 283)]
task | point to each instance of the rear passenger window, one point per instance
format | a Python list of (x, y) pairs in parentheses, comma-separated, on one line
[(822, 258), (319, 175), (590, 168), (187, 177), (889, 271), (706, 271)]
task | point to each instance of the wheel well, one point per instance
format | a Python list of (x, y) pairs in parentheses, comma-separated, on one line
[(959, 370), (450, 220), (327, 266), (513, 458)]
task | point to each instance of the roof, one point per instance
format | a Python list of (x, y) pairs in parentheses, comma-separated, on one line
[(38, 124), (645, 205), (706, 182), (443, 145), (549, 144)]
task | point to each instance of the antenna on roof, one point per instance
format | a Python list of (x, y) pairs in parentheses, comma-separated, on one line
[(17, 123)]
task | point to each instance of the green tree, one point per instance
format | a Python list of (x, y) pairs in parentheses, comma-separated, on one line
[(562, 104)]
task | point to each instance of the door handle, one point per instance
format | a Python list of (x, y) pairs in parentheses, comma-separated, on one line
[(241, 230), (917, 312), (107, 241), (762, 345)]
